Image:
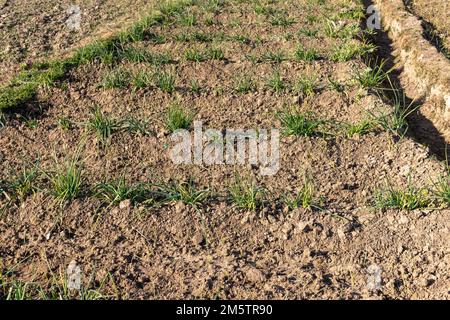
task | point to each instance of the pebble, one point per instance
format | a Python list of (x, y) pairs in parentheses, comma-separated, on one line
[(125, 204), (255, 275), (198, 239), (180, 207), (403, 219)]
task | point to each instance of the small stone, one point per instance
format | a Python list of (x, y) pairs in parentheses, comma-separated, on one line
[(248, 218), (296, 100), (271, 219), (327, 234), (366, 218), (303, 226), (390, 219), (259, 102), (48, 235), (125, 204), (403, 219), (161, 133), (426, 282), (341, 233), (268, 287), (405, 170), (255, 275), (306, 253), (198, 239), (180, 207)]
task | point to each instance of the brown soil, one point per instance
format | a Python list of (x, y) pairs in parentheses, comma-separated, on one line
[(437, 12), (216, 250)]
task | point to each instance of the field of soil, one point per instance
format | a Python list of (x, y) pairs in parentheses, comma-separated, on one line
[(437, 13), (358, 209)]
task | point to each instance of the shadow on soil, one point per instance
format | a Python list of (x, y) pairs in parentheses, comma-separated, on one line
[(430, 32), (421, 129)]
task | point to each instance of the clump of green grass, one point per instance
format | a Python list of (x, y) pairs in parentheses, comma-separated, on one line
[(372, 77), (312, 19), (209, 21), (194, 55), (161, 58), (306, 85), (165, 81), (112, 193), (353, 14), (410, 198), (142, 79), (195, 86), (281, 20), (263, 9), (182, 37), (65, 123), (442, 190), (202, 37), (18, 291), (102, 125), (12, 96), (305, 197), (335, 85), (178, 118), (21, 290), (31, 123), (298, 124), (118, 78), (245, 84), (396, 122), (361, 128), (66, 180), (171, 7), (276, 83), (188, 20), (311, 33), (303, 54), (42, 74), (24, 184), (134, 125), (275, 56), (241, 38), (216, 54), (213, 6), (246, 195), (106, 52), (334, 30), (139, 55), (350, 50), (186, 192)]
